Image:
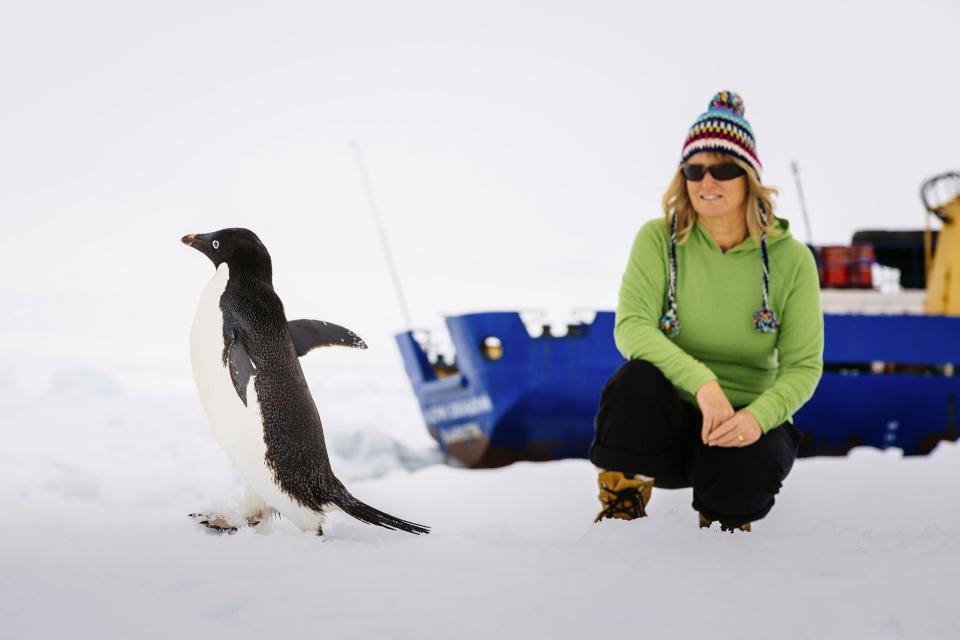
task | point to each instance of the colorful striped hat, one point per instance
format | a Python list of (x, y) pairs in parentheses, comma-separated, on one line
[(723, 129)]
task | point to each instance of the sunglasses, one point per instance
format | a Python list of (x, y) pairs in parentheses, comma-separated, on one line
[(725, 171)]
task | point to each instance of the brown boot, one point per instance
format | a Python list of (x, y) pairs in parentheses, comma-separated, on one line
[(621, 497), (705, 524)]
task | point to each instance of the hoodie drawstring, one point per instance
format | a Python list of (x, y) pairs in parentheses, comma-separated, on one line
[(765, 320)]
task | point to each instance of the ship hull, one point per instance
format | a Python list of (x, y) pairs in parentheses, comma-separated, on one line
[(888, 382)]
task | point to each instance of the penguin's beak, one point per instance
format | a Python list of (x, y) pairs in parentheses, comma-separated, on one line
[(188, 240)]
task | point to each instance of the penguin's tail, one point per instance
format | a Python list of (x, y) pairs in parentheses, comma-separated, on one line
[(365, 513)]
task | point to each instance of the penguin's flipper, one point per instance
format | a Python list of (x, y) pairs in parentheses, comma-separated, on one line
[(241, 368), (310, 334), (235, 357)]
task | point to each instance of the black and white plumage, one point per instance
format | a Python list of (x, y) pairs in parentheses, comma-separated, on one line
[(245, 357)]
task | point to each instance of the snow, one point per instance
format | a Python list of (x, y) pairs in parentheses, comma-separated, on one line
[(96, 481)]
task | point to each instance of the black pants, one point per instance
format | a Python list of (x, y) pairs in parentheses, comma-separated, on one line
[(644, 427)]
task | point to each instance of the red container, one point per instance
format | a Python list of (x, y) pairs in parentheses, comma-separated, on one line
[(861, 267), (836, 267)]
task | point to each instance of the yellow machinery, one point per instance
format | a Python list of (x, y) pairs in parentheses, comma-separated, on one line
[(941, 197)]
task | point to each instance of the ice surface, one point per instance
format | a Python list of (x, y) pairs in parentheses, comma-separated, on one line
[(96, 487)]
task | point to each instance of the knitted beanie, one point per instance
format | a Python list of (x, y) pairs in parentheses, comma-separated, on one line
[(723, 129)]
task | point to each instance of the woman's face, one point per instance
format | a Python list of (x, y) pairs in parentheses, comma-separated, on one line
[(712, 198)]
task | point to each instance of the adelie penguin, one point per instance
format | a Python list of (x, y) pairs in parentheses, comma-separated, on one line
[(245, 357)]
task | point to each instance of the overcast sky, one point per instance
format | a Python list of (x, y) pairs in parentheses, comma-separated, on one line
[(514, 147)]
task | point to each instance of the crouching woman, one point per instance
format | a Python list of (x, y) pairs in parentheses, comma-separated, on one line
[(719, 319)]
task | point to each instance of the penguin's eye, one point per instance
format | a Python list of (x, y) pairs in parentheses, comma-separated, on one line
[(216, 244)]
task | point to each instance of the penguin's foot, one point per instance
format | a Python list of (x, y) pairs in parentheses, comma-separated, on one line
[(255, 510), (215, 523), (254, 518)]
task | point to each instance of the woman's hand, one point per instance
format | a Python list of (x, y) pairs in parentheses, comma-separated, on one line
[(714, 406), (739, 431)]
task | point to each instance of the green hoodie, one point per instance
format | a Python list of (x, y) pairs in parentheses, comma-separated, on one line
[(771, 375)]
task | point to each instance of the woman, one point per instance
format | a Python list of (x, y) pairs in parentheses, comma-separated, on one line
[(706, 396)]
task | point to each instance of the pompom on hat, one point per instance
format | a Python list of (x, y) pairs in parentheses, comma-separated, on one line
[(723, 129)]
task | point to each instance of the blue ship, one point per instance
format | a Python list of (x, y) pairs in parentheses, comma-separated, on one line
[(888, 382)]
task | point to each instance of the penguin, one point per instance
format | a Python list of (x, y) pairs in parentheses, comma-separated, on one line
[(245, 358)]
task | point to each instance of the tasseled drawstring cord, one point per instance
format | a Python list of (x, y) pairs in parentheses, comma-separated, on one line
[(669, 322), (765, 320)]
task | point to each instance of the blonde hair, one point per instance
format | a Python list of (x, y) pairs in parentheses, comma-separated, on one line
[(677, 201)]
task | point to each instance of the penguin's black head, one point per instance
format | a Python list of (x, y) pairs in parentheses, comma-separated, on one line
[(241, 249)]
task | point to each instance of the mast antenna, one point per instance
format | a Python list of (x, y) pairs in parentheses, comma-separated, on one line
[(795, 167), (375, 210)]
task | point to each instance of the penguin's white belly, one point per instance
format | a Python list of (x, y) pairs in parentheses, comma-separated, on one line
[(238, 428)]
